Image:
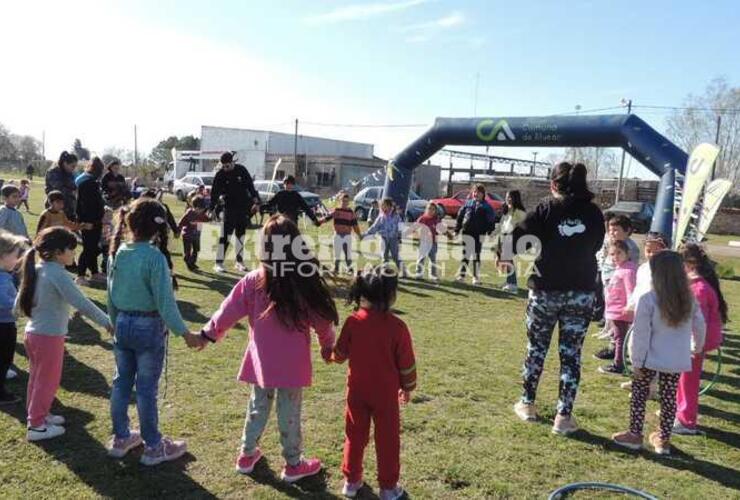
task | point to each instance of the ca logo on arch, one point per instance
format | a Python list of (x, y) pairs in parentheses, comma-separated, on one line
[(487, 130)]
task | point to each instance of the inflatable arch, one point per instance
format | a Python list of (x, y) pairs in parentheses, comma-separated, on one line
[(629, 132)]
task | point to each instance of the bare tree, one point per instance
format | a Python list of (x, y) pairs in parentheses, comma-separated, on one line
[(697, 124), (600, 162)]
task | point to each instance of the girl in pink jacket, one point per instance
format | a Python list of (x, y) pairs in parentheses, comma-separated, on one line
[(283, 299), (616, 296), (706, 290)]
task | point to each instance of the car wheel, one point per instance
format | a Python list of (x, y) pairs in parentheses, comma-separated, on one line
[(361, 214), (180, 195)]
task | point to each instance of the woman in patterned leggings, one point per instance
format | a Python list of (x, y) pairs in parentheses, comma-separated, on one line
[(668, 327)]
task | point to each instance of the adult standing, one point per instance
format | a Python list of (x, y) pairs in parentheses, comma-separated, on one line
[(90, 210), (61, 177), (113, 184), (475, 219), (570, 229), (234, 187), (30, 171), (513, 214)]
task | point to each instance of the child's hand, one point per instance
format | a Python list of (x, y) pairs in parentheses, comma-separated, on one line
[(404, 396), (326, 354), (194, 341)]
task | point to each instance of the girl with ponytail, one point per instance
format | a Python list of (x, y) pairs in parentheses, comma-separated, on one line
[(569, 230), (142, 306), (47, 290)]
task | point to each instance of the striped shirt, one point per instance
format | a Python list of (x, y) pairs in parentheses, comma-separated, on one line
[(344, 220)]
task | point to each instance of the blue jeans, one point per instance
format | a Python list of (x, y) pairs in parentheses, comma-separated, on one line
[(139, 348)]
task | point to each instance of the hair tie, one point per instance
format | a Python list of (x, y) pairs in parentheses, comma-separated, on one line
[(159, 220)]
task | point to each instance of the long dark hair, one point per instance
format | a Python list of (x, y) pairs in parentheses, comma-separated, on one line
[(95, 168), (48, 244), (144, 220), (293, 283), (569, 182), (66, 157), (671, 287), (695, 256), (516, 201), (378, 286)]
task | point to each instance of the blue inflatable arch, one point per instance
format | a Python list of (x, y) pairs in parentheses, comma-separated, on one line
[(629, 132)]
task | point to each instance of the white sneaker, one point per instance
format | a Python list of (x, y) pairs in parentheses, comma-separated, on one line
[(476, 281), (11, 374), (526, 411), (47, 432), (350, 490), (682, 430), (52, 419), (510, 288), (459, 278), (218, 268), (166, 451), (241, 268), (435, 279), (394, 494)]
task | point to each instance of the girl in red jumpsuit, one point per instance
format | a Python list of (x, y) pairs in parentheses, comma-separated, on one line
[(382, 373)]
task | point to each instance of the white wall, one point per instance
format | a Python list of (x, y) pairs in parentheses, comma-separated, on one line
[(250, 146), (283, 144)]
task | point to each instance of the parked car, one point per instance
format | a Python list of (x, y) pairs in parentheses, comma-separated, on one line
[(267, 189), (414, 208), (451, 206), (191, 182), (639, 212)]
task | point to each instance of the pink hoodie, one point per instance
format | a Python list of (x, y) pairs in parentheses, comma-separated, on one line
[(618, 291), (277, 356), (709, 305)]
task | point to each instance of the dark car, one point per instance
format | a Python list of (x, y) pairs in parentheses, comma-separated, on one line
[(639, 212)]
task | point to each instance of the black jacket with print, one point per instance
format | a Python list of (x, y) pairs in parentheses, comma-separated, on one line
[(237, 188), (571, 232)]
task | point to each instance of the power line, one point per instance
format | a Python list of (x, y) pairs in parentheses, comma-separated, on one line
[(593, 110), (368, 125), (683, 108)]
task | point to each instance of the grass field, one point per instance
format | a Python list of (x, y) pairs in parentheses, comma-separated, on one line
[(460, 438)]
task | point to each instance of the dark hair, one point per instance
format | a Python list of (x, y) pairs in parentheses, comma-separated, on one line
[(608, 216), (516, 201), (112, 163), (671, 287), (227, 157), (294, 293), (378, 286), (289, 180), (387, 202), (622, 221), (144, 220), (95, 168), (480, 188), (65, 158), (695, 256), (54, 196), (570, 181), (620, 245), (9, 190), (48, 243), (656, 237), (198, 202), (149, 193)]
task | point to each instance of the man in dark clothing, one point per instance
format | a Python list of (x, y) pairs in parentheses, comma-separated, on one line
[(233, 186), (30, 171), (90, 209), (290, 203)]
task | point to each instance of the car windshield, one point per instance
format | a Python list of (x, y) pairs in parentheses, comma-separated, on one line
[(628, 206), (208, 181)]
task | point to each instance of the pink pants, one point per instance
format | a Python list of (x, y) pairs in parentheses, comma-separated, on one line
[(687, 396), (45, 356)]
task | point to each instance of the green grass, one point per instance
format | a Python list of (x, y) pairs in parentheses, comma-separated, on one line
[(460, 438)]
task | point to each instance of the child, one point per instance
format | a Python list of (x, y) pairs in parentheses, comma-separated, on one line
[(282, 305), (10, 218), (620, 287), (373, 213), (705, 287), (345, 222), (427, 225), (105, 236), (189, 226), (54, 216), (620, 229), (475, 219), (514, 213), (605, 270), (387, 225), (142, 307), (25, 188), (47, 290), (668, 327), (11, 247), (382, 372)]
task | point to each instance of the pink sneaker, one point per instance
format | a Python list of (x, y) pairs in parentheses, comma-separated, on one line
[(245, 463), (118, 448), (305, 468), (166, 451)]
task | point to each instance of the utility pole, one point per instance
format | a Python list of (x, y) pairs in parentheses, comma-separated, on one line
[(295, 148), (618, 194), (716, 141), (475, 94), (534, 163), (43, 144), (136, 150)]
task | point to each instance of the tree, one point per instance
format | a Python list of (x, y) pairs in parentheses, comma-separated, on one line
[(27, 148), (162, 152), (125, 156), (698, 123), (7, 148), (82, 153), (600, 162)]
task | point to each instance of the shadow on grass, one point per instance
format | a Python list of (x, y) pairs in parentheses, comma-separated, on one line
[(191, 312), (218, 282), (83, 333), (717, 413), (416, 283), (485, 290), (678, 459), (310, 487)]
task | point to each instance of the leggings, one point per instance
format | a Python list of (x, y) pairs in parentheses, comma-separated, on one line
[(667, 384), (472, 248), (90, 251), (8, 336)]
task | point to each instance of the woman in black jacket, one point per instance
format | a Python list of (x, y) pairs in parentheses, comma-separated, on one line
[(569, 228), (90, 210), (61, 177)]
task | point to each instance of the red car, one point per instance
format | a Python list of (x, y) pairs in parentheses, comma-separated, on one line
[(450, 206)]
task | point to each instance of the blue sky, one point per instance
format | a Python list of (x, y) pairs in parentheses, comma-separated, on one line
[(258, 64)]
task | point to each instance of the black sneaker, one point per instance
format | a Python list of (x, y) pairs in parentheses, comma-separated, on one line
[(611, 370), (7, 398), (606, 353)]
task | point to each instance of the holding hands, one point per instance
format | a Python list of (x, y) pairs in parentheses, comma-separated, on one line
[(404, 396), (326, 354), (195, 341)]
